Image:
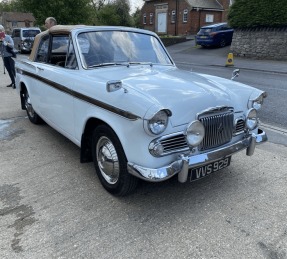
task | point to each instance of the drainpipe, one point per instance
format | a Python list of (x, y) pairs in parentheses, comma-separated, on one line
[(199, 14), (176, 18)]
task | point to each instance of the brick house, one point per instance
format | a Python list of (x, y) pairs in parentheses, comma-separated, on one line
[(11, 20), (182, 17)]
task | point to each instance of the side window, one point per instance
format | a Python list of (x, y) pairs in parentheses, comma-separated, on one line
[(42, 53), (59, 49)]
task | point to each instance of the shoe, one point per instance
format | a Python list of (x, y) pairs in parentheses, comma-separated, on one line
[(9, 85), (13, 86)]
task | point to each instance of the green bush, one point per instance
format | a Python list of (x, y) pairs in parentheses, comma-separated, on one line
[(258, 13)]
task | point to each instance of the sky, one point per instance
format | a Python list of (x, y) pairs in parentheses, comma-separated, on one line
[(135, 4)]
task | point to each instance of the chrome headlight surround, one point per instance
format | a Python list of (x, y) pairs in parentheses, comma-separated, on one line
[(158, 123), (194, 133), (257, 102), (251, 119)]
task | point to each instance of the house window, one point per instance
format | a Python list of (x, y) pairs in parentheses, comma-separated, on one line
[(185, 12), (209, 18), (151, 18), (144, 18), (173, 16), (14, 23)]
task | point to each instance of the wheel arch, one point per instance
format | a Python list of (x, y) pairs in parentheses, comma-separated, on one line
[(86, 139)]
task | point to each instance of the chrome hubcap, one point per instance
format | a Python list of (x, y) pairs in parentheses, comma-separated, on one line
[(108, 160)]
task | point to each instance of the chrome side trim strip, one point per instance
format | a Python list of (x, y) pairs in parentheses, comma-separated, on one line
[(83, 97)]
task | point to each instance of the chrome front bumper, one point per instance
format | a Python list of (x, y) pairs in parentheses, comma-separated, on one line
[(182, 165)]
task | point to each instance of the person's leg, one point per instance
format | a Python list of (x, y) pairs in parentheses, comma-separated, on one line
[(11, 70), (12, 65)]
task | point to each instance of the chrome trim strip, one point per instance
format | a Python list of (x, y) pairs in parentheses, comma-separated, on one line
[(80, 96), (186, 162)]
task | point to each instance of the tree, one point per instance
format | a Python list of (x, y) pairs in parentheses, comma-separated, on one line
[(11, 6), (136, 16), (115, 13), (65, 11), (258, 13)]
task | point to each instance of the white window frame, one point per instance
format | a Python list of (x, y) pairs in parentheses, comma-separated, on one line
[(173, 16), (184, 16), (144, 18), (209, 18)]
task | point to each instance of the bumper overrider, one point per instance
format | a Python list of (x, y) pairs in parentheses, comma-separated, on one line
[(185, 162)]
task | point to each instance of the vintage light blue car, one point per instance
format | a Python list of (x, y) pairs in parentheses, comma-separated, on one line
[(117, 94)]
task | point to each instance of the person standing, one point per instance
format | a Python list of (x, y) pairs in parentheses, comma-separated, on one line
[(50, 22), (7, 45)]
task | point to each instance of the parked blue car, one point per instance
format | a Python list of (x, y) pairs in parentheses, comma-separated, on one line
[(219, 34)]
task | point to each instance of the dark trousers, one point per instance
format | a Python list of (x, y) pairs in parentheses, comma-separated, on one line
[(9, 63)]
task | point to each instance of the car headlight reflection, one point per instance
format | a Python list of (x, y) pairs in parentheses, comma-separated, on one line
[(158, 123), (251, 119), (195, 133)]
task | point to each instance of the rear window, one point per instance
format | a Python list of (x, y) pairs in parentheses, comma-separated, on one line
[(30, 33)]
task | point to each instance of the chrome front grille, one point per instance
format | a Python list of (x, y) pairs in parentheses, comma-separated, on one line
[(218, 129), (174, 143)]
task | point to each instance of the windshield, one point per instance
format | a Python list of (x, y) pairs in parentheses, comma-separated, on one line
[(30, 33), (120, 47)]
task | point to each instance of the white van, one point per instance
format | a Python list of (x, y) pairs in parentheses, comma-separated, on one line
[(24, 38)]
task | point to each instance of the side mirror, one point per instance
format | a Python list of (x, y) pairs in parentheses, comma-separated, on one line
[(235, 73)]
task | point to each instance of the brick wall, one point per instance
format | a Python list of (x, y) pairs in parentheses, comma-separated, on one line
[(195, 19), (260, 43)]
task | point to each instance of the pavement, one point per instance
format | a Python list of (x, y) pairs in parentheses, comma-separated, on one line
[(221, 55)]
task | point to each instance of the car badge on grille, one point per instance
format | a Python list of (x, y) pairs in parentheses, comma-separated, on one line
[(220, 128)]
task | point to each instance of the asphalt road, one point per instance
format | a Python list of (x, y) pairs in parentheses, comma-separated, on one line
[(52, 206)]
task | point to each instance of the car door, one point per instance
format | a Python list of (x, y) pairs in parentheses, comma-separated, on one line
[(57, 84)]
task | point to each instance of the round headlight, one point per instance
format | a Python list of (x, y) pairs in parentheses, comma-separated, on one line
[(195, 133), (257, 102), (251, 119), (158, 123)]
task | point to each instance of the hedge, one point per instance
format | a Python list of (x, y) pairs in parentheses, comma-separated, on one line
[(258, 13)]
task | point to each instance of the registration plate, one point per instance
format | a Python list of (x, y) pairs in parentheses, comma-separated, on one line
[(205, 170), (203, 37)]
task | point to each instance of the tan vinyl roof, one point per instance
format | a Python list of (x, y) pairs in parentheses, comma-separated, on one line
[(53, 30)]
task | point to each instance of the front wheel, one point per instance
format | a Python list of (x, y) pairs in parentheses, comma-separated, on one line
[(32, 115), (111, 163)]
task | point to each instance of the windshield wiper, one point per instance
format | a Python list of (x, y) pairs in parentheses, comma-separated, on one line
[(127, 64), (107, 64)]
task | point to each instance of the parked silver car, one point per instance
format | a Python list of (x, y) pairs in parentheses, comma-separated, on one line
[(24, 38)]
